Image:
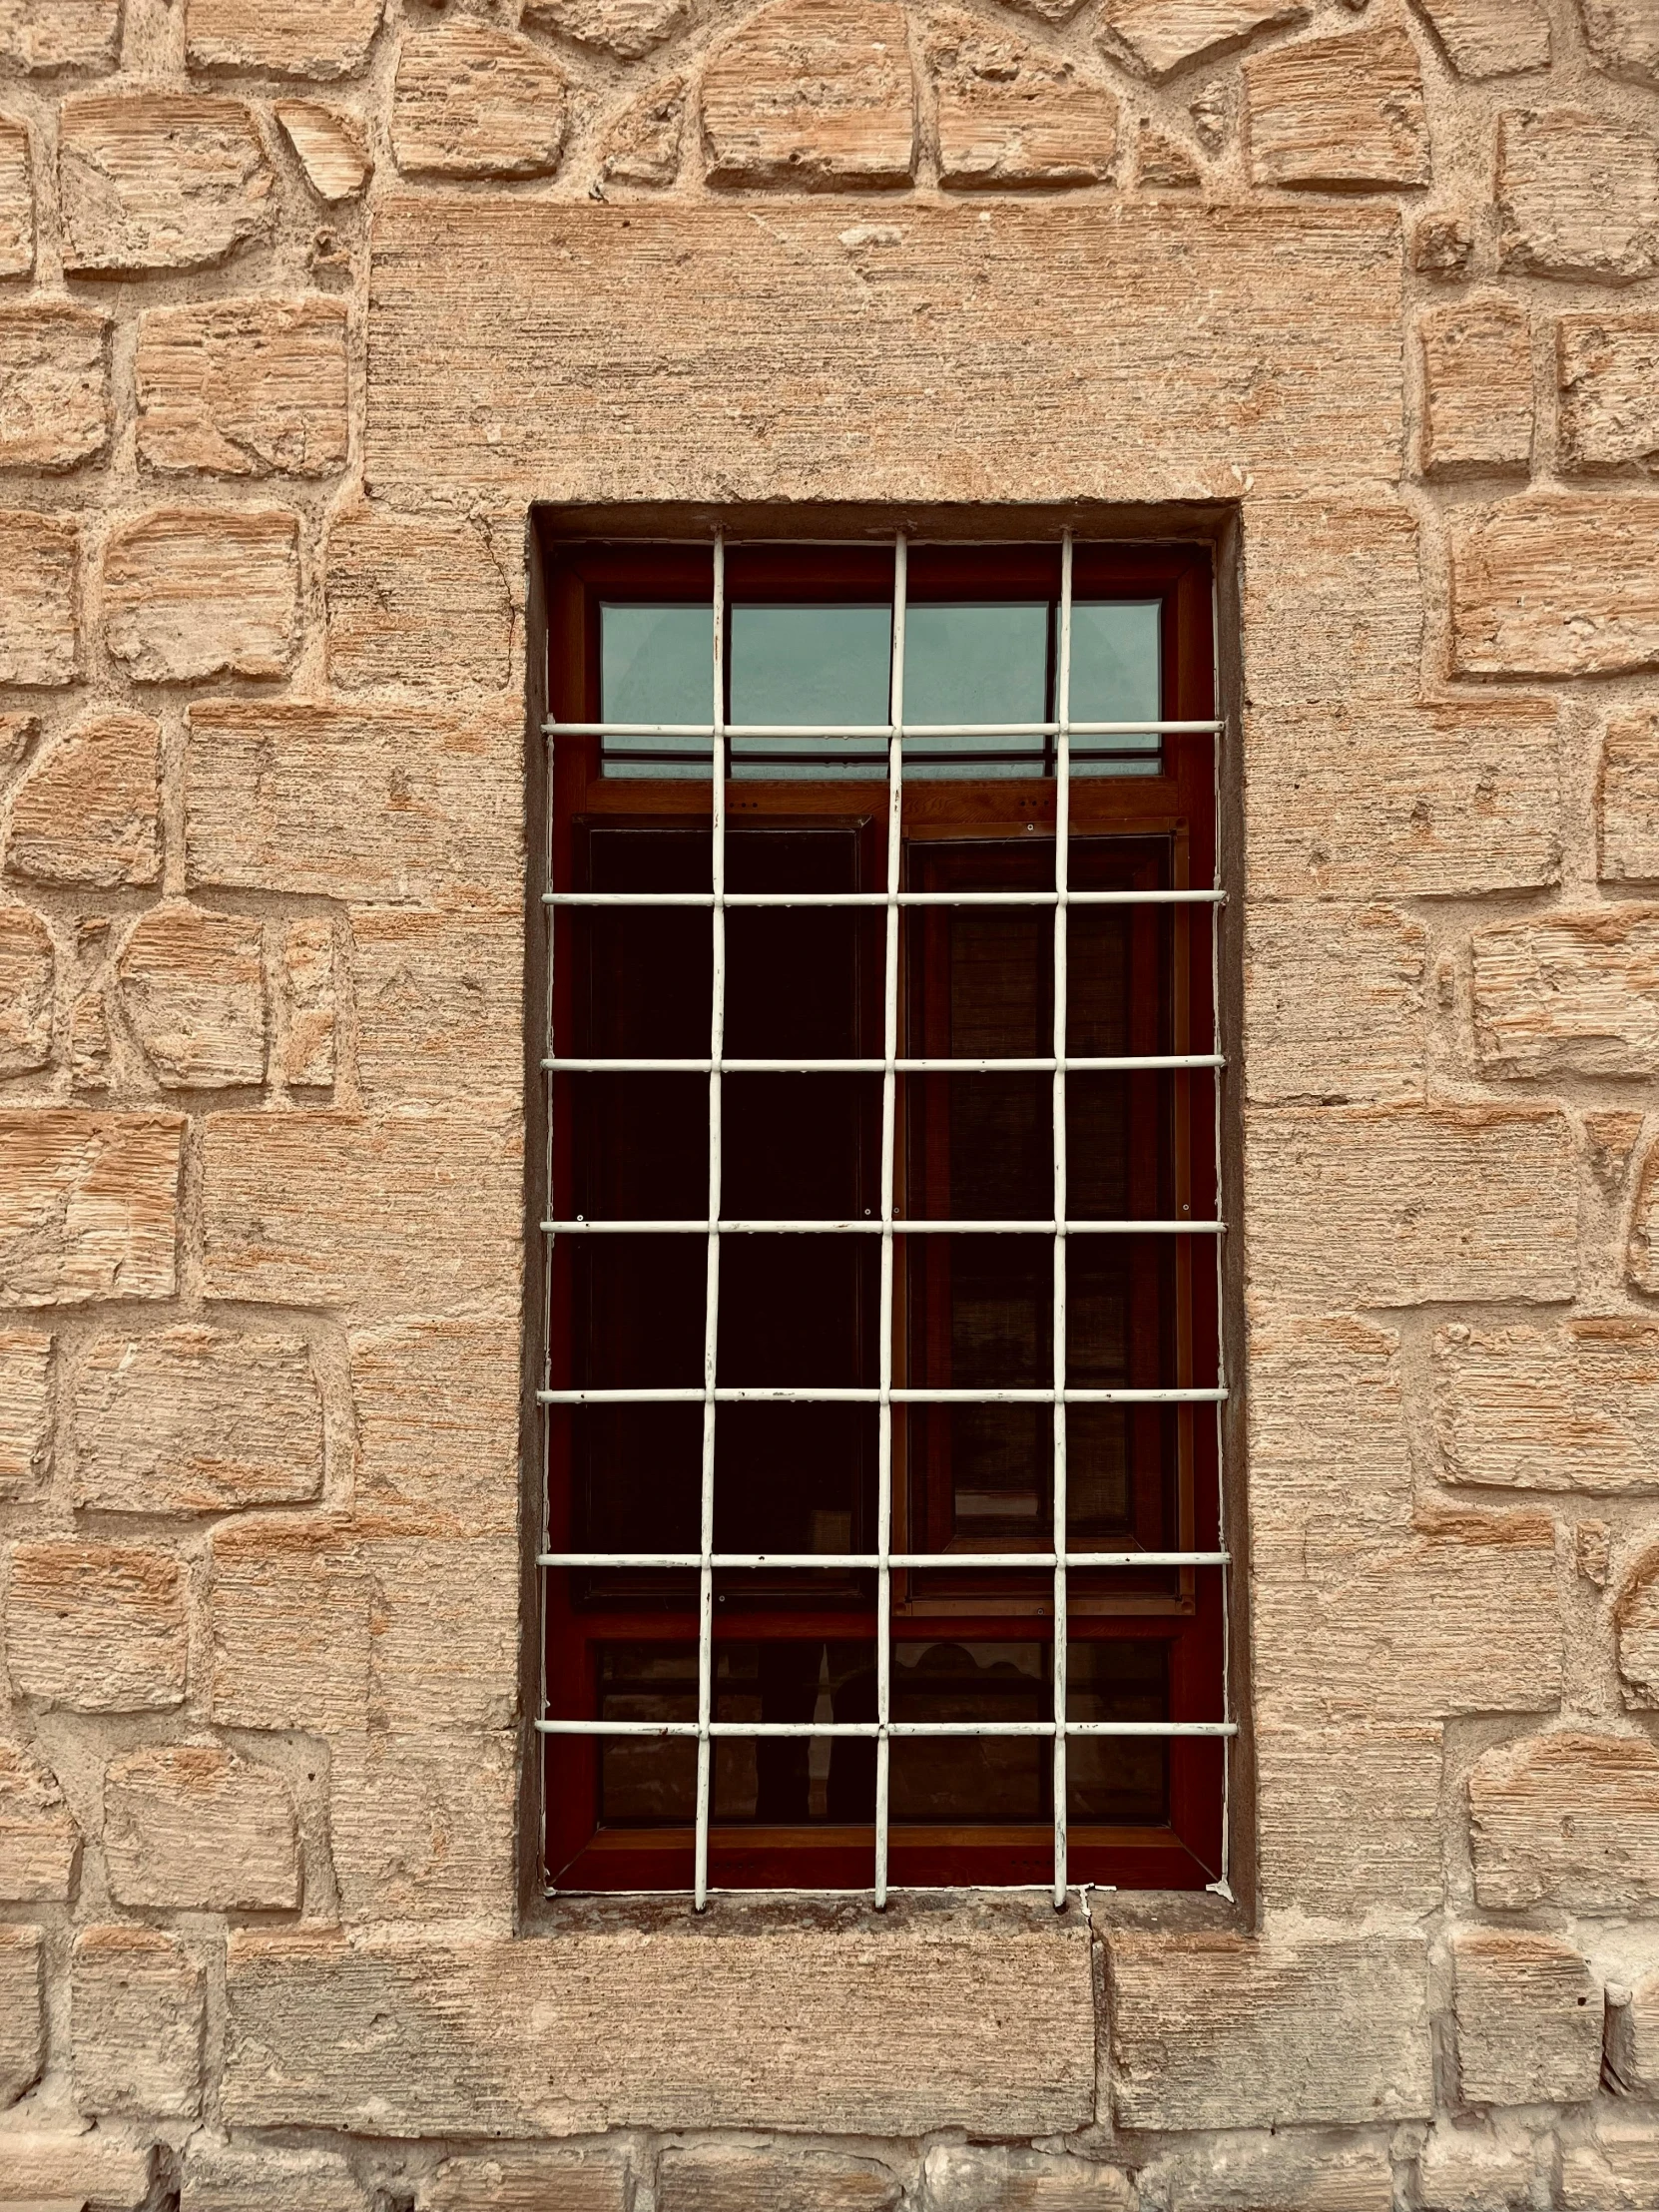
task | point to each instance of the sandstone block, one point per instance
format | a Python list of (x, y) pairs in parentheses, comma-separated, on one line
[(200, 591), (54, 384), (1392, 1205), (1327, 1426), (540, 2180), (423, 1827), (1344, 112), (1166, 164), (27, 965), (626, 28), (1554, 585), (1236, 2032), (67, 2167), (963, 2177), (438, 993), (289, 1620), (1571, 993), (1372, 1843), (719, 2178), (1607, 371), (1466, 2168), (87, 811), (193, 989), (1165, 35), (289, 38), (642, 147), (1578, 196), (1643, 1260), (417, 601), (246, 2177), (1570, 1409), (24, 1409), (197, 1828), (1441, 246), (90, 1051), (158, 180), (1299, 2169), (139, 2004), (1529, 2018), (40, 600), (44, 34), (305, 1045), (1636, 1624), (1477, 388), (1635, 2040), (100, 1628), (22, 2020), (437, 1405), (1623, 37), (1334, 1002), (330, 146), (17, 200), (445, 1632), (474, 101), (813, 93), (1570, 1819), (40, 1844), (1609, 1141), (1628, 802), (1013, 114), (1616, 2172), (88, 1206), (244, 387), (1490, 38)]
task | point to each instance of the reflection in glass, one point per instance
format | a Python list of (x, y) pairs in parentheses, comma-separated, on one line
[(807, 665), (1116, 676), (656, 663), (981, 661)]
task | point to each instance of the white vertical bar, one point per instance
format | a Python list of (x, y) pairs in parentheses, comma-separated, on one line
[(711, 1310), (1062, 826), (890, 1082), (1221, 1343)]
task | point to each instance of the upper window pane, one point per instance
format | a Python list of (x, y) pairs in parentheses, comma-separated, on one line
[(1116, 661), (809, 665), (982, 662), (656, 663)]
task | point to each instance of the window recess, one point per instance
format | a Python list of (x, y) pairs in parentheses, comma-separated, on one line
[(884, 1366)]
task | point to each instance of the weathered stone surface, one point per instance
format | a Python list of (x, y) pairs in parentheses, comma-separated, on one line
[(1344, 112), (289, 1624), (69, 2167), (54, 384), (305, 1048), (1490, 38), (27, 965), (158, 180), (1578, 196), (1335, 1004), (1299, 2169), (1609, 1142), (100, 1628), (642, 147), (1165, 164), (718, 2177), (1165, 35), (436, 994), (289, 38), (417, 601), (90, 1048), (192, 986), (1529, 2018), (195, 1827), (43, 34), (1636, 1625), (423, 1825), (1570, 992), (474, 101), (1644, 1228), (813, 93), (663, 2027), (357, 802), (194, 1420), (1391, 1205), (22, 2021), (40, 600), (247, 2177), (1554, 585), (88, 1206), (1616, 2172), (961, 2177), (1634, 2042), (1376, 1842), (1477, 388), (17, 200), (1441, 246), (1607, 370), (444, 1633), (1623, 37), (139, 2004), (1010, 113), (1467, 2168), (330, 145), (531, 2180), (24, 1409), (626, 28), (40, 1844), (1235, 2032), (244, 387), (203, 590), (1570, 1409), (1327, 1426), (87, 810), (1627, 811), (436, 1426), (1570, 1820)]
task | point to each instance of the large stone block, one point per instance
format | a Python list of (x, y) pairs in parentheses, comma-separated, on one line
[(244, 387), (45, 35), (22, 2015), (17, 198), (440, 996), (1347, 1817), (418, 602), (815, 93), (1344, 112), (155, 179), (445, 1650), (423, 1827), (1010, 113), (70, 2166), (191, 984), (1574, 1408), (259, 2177), (1334, 1002), (40, 1844), (88, 1206), (532, 2180), (1628, 802), (40, 600), (1555, 585), (1490, 38), (1623, 37), (1643, 1258), (1616, 2171), (1477, 388), (102, 1629), (1465, 2167), (1166, 35), (1636, 1626), (963, 2177), (54, 383), (474, 101), (437, 1425), (203, 590), (27, 963), (1327, 1437), (1298, 2170), (1529, 2018), (1570, 1820), (1243, 2032), (626, 28), (1309, 645), (139, 2008), (88, 810), (196, 1419), (1578, 196), (291, 38), (1569, 993), (199, 1828), (289, 1624), (24, 1409), (1607, 373)]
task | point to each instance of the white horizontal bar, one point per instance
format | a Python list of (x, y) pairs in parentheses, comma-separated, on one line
[(901, 1225), (895, 1728), (1131, 1064), (880, 732), (769, 1395), (883, 899), (838, 1562)]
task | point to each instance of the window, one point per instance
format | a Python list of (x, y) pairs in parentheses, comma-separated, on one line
[(883, 1381)]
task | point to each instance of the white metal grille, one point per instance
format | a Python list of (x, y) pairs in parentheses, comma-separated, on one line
[(717, 734)]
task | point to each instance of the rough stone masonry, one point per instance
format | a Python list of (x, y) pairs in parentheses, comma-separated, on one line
[(303, 306)]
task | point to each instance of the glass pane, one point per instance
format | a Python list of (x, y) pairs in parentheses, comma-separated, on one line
[(971, 1777), (1116, 669), (797, 664), (981, 661), (656, 663)]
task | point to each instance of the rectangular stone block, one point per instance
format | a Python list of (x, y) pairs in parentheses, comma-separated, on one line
[(99, 1628), (1477, 388), (1628, 802), (964, 2177), (437, 1426), (445, 1632), (1010, 113), (472, 99), (22, 2017), (1307, 644), (514, 2179), (155, 179), (54, 383), (87, 808), (423, 1827), (244, 387), (288, 1609), (24, 1409), (1529, 2018), (1343, 113), (1570, 1819), (1617, 2170), (291, 38), (17, 198), (67, 2166), (1334, 1002), (88, 1206), (40, 1844), (259, 2177), (199, 1828), (1578, 196), (191, 987), (1328, 1442), (1569, 993), (40, 600), (814, 93), (139, 2008), (203, 590), (1300, 2169), (1348, 1818), (43, 34), (1607, 373), (440, 998), (1573, 1408), (1555, 584), (420, 602)]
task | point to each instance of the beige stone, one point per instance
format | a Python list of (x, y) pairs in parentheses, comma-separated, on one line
[(40, 1844), (138, 2006), (247, 2177), (91, 1052), (626, 28), (244, 387), (474, 101), (289, 38), (718, 2177), (68, 2166), (1234, 2032), (24, 1409), (330, 145), (1578, 196), (1334, 1002), (159, 180), (510, 2179), (199, 1829), (1372, 1843), (422, 603), (27, 965), (1636, 1625), (88, 1206), (1165, 35), (444, 1632), (1165, 164), (1327, 1425), (193, 1419), (40, 600), (1529, 2018), (1554, 585), (1635, 2039), (1441, 246), (813, 93), (436, 1407), (1490, 38), (961, 2177), (1623, 37), (1344, 112), (289, 1624), (437, 1003), (1299, 2169), (1610, 1141), (423, 1827), (100, 1628), (191, 987), (1477, 388), (87, 811), (22, 2019), (642, 147), (44, 34), (1627, 810), (305, 1048), (1643, 1258), (17, 198), (1607, 368), (1467, 2168), (201, 591), (54, 384), (1570, 994), (1010, 113), (1574, 1408), (1569, 1819), (1616, 2172)]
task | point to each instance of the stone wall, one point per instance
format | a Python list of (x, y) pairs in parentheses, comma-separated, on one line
[(304, 304)]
